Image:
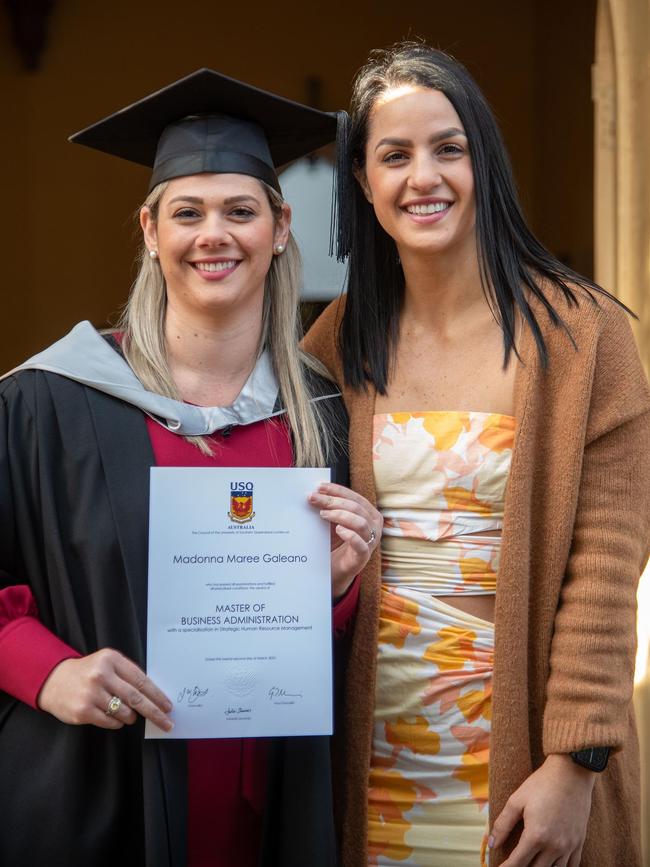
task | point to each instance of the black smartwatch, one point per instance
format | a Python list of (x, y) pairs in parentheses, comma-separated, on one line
[(593, 758)]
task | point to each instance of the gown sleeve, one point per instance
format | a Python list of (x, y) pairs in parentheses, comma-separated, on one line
[(28, 650)]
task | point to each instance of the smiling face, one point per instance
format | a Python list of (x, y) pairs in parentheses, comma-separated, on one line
[(418, 173), (215, 236)]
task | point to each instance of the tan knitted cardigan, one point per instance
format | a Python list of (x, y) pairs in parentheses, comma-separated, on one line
[(575, 540)]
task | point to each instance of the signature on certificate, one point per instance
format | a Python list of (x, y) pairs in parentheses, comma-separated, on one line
[(235, 711), (276, 692), (191, 694)]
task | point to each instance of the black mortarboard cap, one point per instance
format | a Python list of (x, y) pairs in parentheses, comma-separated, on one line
[(208, 122)]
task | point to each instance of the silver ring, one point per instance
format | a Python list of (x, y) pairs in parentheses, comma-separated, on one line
[(113, 706), (372, 538)]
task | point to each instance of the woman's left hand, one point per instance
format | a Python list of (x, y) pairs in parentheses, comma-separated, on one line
[(356, 531), (554, 804)]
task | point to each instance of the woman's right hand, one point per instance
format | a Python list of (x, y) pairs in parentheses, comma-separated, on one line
[(78, 692)]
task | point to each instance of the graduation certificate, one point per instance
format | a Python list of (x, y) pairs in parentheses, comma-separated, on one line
[(239, 625)]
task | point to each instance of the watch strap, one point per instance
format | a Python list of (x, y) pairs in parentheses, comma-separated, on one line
[(593, 758)]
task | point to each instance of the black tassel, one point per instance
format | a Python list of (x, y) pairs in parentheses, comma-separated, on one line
[(341, 222)]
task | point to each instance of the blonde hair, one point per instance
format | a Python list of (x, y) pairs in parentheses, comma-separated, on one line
[(142, 324)]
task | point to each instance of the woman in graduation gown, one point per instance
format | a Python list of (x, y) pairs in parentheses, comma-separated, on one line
[(203, 370)]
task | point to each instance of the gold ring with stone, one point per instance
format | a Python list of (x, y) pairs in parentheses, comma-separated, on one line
[(113, 705)]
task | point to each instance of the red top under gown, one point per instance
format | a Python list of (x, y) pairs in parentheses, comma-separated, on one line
[(226, 778)]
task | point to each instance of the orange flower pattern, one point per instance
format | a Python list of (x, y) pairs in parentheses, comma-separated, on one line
[(441, 480)]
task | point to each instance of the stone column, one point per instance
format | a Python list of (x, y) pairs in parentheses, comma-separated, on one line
[(621, 91)]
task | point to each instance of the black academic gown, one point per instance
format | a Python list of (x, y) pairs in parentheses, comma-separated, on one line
[(74, 488)]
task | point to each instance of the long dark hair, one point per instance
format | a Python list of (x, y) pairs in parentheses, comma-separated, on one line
[(512, 261)]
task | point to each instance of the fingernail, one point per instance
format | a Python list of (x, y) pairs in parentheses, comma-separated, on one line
[(168, 706), (490, 842), (169, 725), (323, 513)]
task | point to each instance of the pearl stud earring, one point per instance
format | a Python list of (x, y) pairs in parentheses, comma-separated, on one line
[(279, 248), (153, 254)]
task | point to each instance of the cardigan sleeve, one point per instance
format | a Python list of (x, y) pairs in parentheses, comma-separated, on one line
[(593, 647)]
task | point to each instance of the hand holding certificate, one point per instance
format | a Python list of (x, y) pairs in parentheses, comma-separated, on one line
[(239, 612)]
